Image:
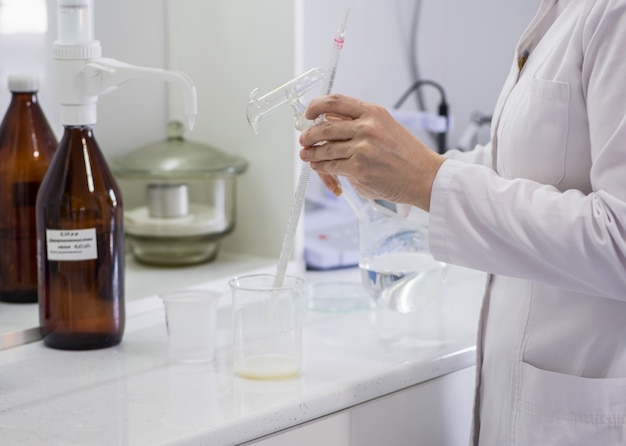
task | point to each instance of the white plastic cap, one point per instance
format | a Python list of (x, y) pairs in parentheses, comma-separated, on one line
[(23, 82)]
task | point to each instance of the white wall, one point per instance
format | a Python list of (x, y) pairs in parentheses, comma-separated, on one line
[(133, 31), (25, 37), (229, 48)]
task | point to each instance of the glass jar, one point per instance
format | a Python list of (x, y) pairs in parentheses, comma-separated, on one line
[(180, 199)]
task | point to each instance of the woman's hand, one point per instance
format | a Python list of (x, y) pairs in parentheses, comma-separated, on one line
[(365, 144)]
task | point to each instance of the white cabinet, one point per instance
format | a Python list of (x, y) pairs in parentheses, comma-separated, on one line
[(329, 431), (436, 412)]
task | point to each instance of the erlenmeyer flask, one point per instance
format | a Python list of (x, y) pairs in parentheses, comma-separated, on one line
[(397, 268)]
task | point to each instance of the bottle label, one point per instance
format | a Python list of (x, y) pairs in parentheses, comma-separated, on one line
[(77, 244)]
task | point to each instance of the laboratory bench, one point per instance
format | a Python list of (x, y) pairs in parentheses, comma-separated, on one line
[(19, 323), (369, 376)]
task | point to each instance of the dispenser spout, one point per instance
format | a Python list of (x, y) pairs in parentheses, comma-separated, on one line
[(105, 75), (83, 73)]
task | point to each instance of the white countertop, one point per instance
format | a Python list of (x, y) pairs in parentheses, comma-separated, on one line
[(131, 394), (19, 323)]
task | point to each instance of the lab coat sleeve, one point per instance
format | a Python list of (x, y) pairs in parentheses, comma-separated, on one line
[(521, 228), (481, 154)]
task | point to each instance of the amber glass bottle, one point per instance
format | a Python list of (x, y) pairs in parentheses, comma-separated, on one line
[(27, 144), (80, 239)]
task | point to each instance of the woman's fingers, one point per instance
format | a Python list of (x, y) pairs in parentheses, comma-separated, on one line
[(365, 144), (335, 105), (326, 151), (331, 182), (329, 130)]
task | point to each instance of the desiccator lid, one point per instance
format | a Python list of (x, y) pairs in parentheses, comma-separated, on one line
[(176, 157)]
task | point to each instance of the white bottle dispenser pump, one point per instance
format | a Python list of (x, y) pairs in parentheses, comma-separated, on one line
[(83, 74), (79, 206)]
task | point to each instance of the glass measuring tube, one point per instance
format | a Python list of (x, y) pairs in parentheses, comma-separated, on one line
[(305, 173)]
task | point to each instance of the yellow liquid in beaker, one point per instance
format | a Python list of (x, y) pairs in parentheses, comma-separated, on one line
[(268, 367)]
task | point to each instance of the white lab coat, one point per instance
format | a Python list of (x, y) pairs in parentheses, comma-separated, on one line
[(542, 208)]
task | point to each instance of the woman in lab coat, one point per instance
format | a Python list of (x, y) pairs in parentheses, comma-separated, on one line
[(542, 208)]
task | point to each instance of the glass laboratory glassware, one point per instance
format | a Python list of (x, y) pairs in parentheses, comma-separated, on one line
[(290, 92), (27, 144), (396, 265), (180, 199), (191, 319), (267, 324), (80, 240)]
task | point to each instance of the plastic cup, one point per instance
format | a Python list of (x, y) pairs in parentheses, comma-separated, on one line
[(267, 324), (191, 321)]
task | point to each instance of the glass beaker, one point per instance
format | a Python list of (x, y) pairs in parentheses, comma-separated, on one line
[(267, 324), (396, 265), (191, 318)]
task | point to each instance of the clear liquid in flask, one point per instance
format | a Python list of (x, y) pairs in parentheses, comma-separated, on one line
[(403, 281)]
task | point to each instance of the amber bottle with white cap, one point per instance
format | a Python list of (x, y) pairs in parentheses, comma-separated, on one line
[(27, 144), (80, 232)]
